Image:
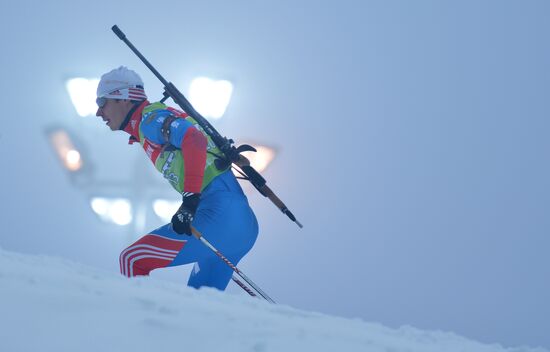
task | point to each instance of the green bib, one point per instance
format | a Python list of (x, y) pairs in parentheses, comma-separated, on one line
[(168, 160)]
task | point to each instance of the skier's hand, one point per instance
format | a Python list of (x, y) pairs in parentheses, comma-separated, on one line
[(182, 219)]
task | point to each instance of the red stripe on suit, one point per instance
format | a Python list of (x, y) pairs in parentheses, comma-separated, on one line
[(148, 253)]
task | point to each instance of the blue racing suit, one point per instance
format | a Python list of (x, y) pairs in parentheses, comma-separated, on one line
[(223, 216)]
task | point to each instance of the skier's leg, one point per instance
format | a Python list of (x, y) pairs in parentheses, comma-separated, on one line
[(228, 223), (224, 217), (232, 231), (155, 250), (210, 273)]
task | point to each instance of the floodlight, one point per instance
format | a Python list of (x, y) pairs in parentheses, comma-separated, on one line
[(115, 210), (165, 209), (66, 151), (209, 97), (83, 93)]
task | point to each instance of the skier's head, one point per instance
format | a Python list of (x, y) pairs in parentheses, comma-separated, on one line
[(117, 92)]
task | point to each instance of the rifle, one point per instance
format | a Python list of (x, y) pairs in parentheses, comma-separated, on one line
[(231, 154)]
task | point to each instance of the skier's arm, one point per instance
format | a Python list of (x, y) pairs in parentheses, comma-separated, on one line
[(184, 136), (193, 147)]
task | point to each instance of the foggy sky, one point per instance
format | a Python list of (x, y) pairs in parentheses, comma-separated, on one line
[(412, 144)]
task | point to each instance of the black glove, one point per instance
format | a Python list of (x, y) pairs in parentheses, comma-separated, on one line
[(181, 221)]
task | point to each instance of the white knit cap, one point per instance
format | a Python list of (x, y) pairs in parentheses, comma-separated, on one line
[(121, 83)]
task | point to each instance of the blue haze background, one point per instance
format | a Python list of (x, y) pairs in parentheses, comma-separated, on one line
[(412, 136)]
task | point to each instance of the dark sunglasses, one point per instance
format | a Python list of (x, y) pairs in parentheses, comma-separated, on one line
[(101, 102)]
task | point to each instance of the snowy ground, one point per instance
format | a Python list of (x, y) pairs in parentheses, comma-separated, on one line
[(50, 304)]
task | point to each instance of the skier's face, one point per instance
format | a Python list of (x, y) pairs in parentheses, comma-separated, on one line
[(113, 112)]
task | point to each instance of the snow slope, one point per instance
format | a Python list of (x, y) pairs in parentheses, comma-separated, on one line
[(51, 304)]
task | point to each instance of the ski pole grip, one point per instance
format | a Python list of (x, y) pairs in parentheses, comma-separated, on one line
[(118, 32)]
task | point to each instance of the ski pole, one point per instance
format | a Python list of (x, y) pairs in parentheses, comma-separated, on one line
[(243, 286), (201, 238)]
